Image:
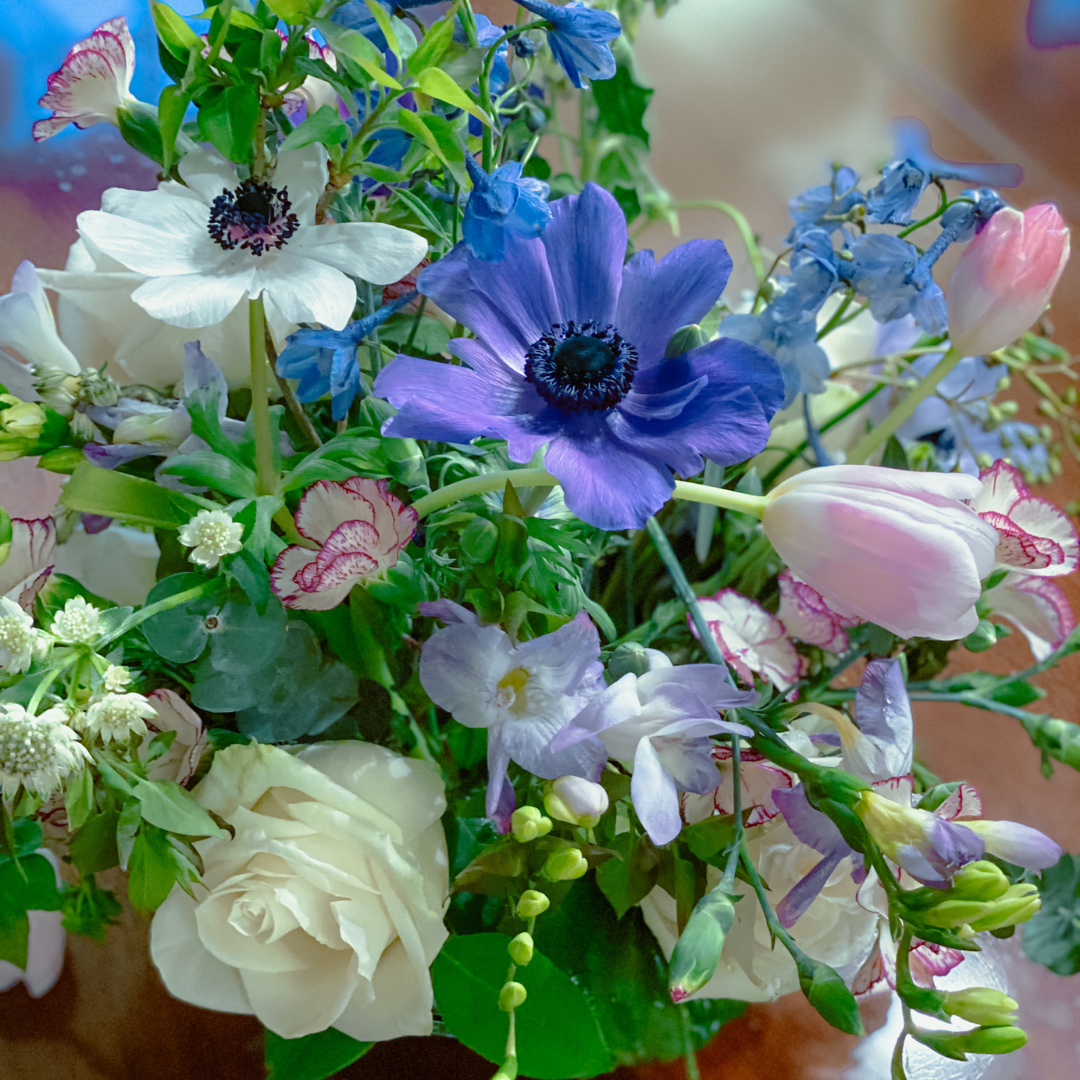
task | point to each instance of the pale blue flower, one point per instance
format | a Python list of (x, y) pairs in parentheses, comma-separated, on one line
[(579, 38), (502, 204)]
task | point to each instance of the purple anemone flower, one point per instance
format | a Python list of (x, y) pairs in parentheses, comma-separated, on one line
[(570, 352)]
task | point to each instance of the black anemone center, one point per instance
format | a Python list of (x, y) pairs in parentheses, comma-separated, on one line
[(255, 216), (581, 367)]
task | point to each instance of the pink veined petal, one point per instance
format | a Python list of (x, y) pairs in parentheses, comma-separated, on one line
[(349, 538), (807, 617), (929, 960), (1048, 538), (395, 522), (326, 505), (339, 574), (1002, 488), (32, 544), (964, 802), (288, 566), (1037, 607)]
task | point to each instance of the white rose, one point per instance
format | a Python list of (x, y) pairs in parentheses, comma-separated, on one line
[(325, 909), (834, 929)]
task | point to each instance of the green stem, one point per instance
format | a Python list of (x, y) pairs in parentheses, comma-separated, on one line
[(266, 474), (837, 315), (148, 612), (478, 485), (47, 680), (725, 498), (873, 439), (745, 231)]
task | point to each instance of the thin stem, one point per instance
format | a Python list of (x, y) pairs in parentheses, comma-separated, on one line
[(47, 680), (157, 608), (873, 439), (292, 403), (266, 474), (478, 485), (745, 231), (416, 323), (725, 498), (837, 315)]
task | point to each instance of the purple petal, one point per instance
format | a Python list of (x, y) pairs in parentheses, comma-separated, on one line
[(811, 826), (505, 806), (559, 661), (883, 713), (1019, 844), (708, 681), (509, 303), (586, 245), (659, 297), (615, 705), (109, 457), (655, 798), (460, 667), (804, 892), (95, 523), (498, 781), (447, 611)]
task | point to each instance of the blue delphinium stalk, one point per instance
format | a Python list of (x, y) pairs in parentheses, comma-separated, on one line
[(570, 353), (579, 38), (325, 360), (825, 207), (502, 204), (904, 179)]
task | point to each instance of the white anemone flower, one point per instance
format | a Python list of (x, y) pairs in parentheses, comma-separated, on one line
[(207, 246)]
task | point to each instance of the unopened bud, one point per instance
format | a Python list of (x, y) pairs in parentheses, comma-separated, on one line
[(698, 949), (521, 948), (684, 339), (565, 865), (1016, 905), (981, 1005), (532, 903), (574, 800), (527, 823), (983, 637), (23, 419), (979, 880), (632, 658), (511, 996), (981, 1040)]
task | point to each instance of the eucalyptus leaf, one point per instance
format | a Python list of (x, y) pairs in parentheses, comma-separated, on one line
[(311, 1057), (1052, 936)]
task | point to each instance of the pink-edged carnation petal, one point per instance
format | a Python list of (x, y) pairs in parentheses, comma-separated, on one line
[(348, 538), (395, 522), (759, 778), (964, 802), (929, 960), (751, 639), (29, 559), (340, 572), (1036, 607), (92, 83), (807, 617), (326, 505), (286, 574), (182, 758)]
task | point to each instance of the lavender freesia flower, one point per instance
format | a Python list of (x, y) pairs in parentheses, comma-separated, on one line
[(579, 38), (502, 204), (570, 353), (524, 694), (325, 360), (662, 722)]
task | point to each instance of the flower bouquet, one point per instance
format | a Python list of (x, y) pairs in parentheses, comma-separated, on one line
[(533, 624)]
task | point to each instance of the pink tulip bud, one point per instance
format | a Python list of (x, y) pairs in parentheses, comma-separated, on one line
[(900, 549), (1004, 280)]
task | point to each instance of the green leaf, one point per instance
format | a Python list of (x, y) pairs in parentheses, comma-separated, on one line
[(1052, 936), (436, 83), (894, 456), (29, 885), (172, 105), (14, 935), (251, 574), (93, 847), (352, 45), (434, 44), (180, 634), (622, 104), (128, 498), (227, 118), (436, 133), (209, 469), (152, 870), (139, 129), (173, 32), (324, 126), (381, 17), (167, 805), (311, 1057), (467, 976), (293, 12)]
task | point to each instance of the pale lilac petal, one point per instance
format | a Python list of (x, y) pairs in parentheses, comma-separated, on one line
[(458, 667), (883, 713), (448, 612), (1016, 843), (656, 801), (497, 760), (560, 660), (528, 742), (615, 705), (805, 892), (811, 826)]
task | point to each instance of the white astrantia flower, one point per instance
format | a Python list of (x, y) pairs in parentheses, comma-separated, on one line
[(207, 246), (77, 622), (36, 752), (19, 641), (211, 534), (116, 678), (118, 717)]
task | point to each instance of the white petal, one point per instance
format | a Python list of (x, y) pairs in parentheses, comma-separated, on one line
[(303, 174), (172, 246), (192, 300), (207, 173), (306, 291), (370, 250), (26, 327)]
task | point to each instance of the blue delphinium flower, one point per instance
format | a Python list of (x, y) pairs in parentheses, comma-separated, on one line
[(825, 206), (905, 178), (570, 353), (325, 360), (502, 204), (889, 272), (579, 38), (356, 15)]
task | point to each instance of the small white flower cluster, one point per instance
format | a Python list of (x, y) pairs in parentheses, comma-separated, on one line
[(78, 622), (211, 534), (20, 643), (36, 752), (117, 717)]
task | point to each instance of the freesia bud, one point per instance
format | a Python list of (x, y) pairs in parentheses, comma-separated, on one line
[(981, 1040), (24, 419), (1018, 844), (899, 549), (527, 823), (1016, 905), (980, 880), (511, 996), (1004, 280), (574, 800), (521, 948), (532, 903), (981, 1005), (697, 952), (566, 865)]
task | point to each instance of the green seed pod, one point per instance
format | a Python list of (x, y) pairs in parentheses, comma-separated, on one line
[(511, 996), (698, 949)]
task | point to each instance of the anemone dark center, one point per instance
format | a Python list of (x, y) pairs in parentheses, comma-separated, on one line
[(254, 216), (581, 367)]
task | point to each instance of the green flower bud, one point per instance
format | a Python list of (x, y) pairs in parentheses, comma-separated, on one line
[(521, 948), (699, 946), (532, 903), (981, 1005), (628, 659), (979, 880), (527, 823), (23, 419), (565, 865), (1016, 905), (981, 1040), (684, 339), (983, 637), (575, 801), (511, 996)]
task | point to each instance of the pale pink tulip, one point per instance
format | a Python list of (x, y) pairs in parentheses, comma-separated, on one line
[(900, 549), (1004, 280)]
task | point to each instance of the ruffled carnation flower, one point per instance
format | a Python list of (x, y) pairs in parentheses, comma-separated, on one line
[(807, 617), (173, 713), (118, 717), (1036, 607), (29, 560), (93, 82), (207, 246), (78, 622), (1035, 536), (358, 530), (36, 752), (211, 534), (751, 639), (570, 354)]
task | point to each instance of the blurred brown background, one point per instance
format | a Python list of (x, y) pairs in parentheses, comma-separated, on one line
[(754, 98)]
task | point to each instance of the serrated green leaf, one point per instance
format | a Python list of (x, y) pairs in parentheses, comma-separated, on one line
[(311, 1057)]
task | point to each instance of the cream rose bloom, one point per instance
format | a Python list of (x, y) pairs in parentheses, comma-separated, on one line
[(325, 909)]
